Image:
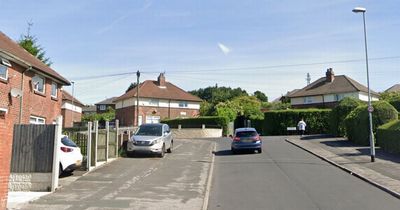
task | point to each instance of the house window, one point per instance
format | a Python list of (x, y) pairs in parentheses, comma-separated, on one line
[(339, 97), (183, 104), (38, 83), (152, 119), (54, 90), (3, 72), (37, 120), (102, 107), (153, 102), (308, 100)]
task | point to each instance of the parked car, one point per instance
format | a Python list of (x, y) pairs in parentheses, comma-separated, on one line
[(246, 139), (70, 155), (151, 138)]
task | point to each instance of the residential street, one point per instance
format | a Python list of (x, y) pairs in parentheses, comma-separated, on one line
[(286, 177), (282, 177), (175, 182)]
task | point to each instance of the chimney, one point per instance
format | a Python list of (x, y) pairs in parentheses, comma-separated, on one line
[(161, 80), (330, 75)]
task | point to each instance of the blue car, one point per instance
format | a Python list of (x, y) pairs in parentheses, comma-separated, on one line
[(246, 139)]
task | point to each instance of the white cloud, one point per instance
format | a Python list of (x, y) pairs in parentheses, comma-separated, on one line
[(224, 48)]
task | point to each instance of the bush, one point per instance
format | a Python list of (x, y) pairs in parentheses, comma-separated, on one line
[(276, 122), (340, 112), (209, 121), (395, 102), (388, 136), (357, 122)]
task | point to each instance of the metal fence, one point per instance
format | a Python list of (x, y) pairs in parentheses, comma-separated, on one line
[(32, 149)]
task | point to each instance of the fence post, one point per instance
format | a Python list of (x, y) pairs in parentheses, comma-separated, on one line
[(96, 138), (116, 137), (56, 161), (107, 138), (203, 126), (89, 146), (179, 126)]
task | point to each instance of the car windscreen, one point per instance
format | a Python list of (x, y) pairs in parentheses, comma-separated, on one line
[(149, 130), (246, 134), (68, 142)]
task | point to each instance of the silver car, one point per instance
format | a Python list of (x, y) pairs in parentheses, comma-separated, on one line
[(151, 138)]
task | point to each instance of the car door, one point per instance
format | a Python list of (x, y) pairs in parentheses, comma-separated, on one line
[(168, 136)]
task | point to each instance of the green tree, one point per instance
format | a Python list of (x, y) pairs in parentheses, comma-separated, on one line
[(29, 43), (227, 109), (248, 106), (261, 96), (131, 86), (215, 94)]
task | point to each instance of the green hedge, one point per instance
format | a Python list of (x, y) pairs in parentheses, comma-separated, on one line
[(209, 121), (388, 136), (340, 112), (276, 122), (395, 102), (357, 122)]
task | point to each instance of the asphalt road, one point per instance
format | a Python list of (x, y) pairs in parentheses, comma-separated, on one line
[(177, 181), (286, 177)]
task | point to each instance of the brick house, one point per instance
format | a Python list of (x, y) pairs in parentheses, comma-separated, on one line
[(327, 91), (157, 100), (71, 110), (30, 92), (393, 89), (104, 105)]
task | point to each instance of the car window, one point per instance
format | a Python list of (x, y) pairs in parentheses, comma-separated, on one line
[(246, 134), (68, 142), (149, 130)]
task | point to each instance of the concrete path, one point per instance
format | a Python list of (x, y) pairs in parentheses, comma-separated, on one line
[(177, 181), (287, 177), (383, 173)]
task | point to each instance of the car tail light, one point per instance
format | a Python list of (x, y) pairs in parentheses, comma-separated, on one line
[(257, 138), (236, 139), (66, 149)]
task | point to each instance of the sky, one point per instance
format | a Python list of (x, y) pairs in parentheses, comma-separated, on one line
[(255, 45)]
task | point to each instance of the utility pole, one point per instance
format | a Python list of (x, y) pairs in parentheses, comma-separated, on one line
[(137, 97), (308, 79)]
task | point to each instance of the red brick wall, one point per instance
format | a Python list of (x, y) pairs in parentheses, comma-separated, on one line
[(69, 118), (126, 115), (33, 104)]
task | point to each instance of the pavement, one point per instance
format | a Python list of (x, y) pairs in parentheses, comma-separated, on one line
[(384, 173)]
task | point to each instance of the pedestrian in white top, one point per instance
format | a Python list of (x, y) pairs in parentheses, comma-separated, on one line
[(302, 127)]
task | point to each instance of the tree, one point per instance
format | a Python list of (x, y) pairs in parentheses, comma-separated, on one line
[(261, 96), (29, 43), (248, 106), (131, 86), (215, 94)]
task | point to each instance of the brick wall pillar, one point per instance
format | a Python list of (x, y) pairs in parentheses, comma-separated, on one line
[(6, 133)]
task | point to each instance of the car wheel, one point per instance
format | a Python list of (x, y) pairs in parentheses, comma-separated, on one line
[(60, 170), (130, 154), (259, 150), (162, 151), (169, 150), (233, 151)]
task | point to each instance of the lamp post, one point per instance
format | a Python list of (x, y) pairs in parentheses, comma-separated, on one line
[(370, 108), (137, 97)]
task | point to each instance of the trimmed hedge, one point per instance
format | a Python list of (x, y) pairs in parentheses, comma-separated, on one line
[(340, 112), (209, 121), (388, 136), (276, 122), (357, 122), (395, 102)]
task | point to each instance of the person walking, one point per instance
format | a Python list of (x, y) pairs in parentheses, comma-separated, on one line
[(302, 127)]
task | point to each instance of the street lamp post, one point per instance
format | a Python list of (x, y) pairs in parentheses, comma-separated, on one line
[(137, 97), (370, 109)]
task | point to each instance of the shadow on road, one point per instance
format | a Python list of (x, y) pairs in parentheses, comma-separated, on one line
[(229, 152)]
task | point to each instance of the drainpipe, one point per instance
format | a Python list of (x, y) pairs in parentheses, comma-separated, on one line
[(22, 95)]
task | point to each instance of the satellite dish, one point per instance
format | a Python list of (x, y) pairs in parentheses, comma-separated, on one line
[(15, 92)]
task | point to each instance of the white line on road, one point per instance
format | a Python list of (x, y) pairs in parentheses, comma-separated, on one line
[(209, 180)]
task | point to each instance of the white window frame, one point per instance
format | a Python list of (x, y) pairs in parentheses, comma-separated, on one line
[(6, 72), (308, 99), (102, 107), (52, 85), (35, 85), (37, 120), (154, 102), (183, 104)]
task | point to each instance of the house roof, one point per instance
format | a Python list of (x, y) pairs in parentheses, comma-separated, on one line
[(341, 84), (394, 88), (107, 101), (12, 49), (150, 89), (68, 97)]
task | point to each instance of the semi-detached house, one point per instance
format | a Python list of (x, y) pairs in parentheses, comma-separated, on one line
[(157, 100), (30, 92)]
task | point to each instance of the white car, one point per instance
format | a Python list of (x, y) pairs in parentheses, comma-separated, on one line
[(70, 155), (151, 138)]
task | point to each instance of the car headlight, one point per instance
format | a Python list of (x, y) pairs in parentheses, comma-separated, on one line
[(155, 141)]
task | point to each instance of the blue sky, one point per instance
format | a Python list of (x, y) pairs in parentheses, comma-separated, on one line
[(247, 44)]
